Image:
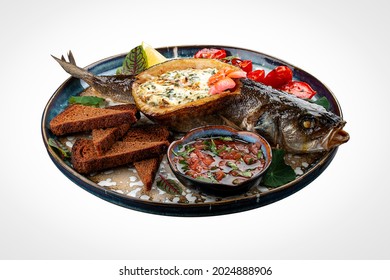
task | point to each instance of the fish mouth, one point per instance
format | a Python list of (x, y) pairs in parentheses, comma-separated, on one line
[(338, 137)]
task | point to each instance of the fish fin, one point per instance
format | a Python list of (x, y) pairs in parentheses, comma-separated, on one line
[(230, 123), (71, 58), (71, 68)]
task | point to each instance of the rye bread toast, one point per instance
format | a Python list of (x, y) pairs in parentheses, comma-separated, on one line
[(86, 160), (146, 133), (104, 138), (147, 169), (80, 118)]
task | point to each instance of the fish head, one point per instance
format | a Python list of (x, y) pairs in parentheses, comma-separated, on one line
[(303, 127)]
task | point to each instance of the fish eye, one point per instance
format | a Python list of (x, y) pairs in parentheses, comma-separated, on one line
[(308, 122)]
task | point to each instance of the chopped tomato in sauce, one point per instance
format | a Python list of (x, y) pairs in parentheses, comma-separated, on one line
[(221, 160)]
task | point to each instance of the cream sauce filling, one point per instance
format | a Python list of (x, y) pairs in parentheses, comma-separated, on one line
[(176, 87)]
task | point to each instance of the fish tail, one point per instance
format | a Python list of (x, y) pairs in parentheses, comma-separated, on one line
[(73, 69)]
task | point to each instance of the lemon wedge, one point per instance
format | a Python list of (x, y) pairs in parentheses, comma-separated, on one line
[(153, 57)]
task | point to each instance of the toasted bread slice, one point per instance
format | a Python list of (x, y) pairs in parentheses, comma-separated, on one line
[(104, 138), (85, 159), (147, 169), (80, 118), (146, 133)]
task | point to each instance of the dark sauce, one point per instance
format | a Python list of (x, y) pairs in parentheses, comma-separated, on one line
[(220, 160)]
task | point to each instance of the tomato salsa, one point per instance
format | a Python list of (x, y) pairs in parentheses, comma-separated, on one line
[(222, 160)]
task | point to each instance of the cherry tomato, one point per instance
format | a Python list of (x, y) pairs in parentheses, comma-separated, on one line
[(299, 89), (278, 77), (211, 53), (257, 75), (245, 65)]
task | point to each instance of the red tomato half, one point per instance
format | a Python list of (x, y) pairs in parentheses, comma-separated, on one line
[(257, 75), (278, 77), (245, 65), (299, 89), (211, 53)]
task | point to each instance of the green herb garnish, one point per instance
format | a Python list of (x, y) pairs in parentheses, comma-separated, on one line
[(184, 164), (229, 59), (189, 149), (135, 62), (184, 153), (60, 149), (278, 173), (223, 149), (204, 179), (213, 147), (226, 138), (322, 101), (232, 165), (246, 174), (209, 179), (169, 185), (87, 100)]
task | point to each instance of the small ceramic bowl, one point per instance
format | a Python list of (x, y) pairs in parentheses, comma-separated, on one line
[(219, 189)]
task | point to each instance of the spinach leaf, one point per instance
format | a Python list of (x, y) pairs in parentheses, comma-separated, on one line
[(278, 173), (322, 101)]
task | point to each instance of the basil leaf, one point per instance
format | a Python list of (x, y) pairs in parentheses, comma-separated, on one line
[(135, 62), (87, 100), (278, 173)]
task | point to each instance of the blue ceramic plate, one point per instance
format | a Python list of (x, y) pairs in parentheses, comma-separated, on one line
[(122, 186)]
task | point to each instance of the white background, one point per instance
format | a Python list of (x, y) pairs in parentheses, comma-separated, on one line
[(343, 214)]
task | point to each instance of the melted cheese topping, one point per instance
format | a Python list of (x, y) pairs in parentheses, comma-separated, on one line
[(176, 87)]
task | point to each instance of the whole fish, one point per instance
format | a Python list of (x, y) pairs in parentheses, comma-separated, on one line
[(116, 87), (286, 121), (296, 125)]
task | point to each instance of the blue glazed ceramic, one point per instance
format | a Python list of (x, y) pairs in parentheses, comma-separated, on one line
[(204, 205), (216, 131)]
